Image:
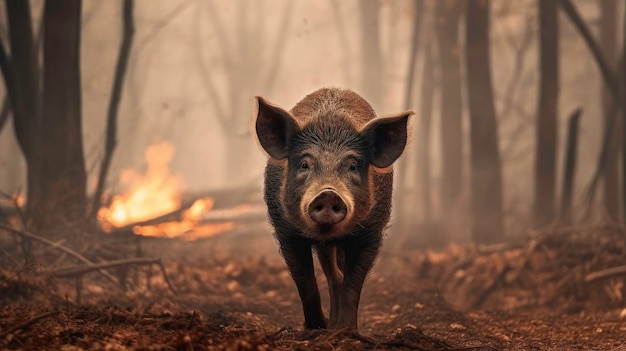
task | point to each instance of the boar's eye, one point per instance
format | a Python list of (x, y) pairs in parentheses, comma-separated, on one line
[(353, 166), (304, 165)]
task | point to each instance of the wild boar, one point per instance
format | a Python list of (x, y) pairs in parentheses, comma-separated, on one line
[(328, 186)]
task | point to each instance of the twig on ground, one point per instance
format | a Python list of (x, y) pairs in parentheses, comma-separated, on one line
[(605, 273), (80, 270), (17, 273), (27, 323), (57, 246), (531, 247), (491, 287), (562, 286)]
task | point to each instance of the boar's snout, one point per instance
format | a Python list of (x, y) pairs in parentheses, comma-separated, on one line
[(327, 208)]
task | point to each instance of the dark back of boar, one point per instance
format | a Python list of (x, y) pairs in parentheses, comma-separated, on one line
[(328, 185)]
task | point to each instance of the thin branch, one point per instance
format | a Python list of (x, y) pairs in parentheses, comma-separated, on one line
[(414, 45), (519, 65), (72, 271), (279, 45), (608, 149), (114, 103), (5, 112), (57, 246), (226, 49), (569, 169), (206, 78), (6, 67), (605, 273), (491, 286), (344, 43), (163, 22), (28, 323), (610, 79), (17, 273)]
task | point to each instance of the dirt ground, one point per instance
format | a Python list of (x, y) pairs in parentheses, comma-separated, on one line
[(533, 295)]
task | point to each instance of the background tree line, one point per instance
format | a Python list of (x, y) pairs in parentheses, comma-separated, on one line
[(471, 129)]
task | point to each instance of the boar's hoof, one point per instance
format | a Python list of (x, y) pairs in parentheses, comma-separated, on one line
[(327, 208)]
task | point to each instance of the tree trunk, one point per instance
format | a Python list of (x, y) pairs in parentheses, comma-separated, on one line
[(23, 85), (623, 91), (62, 178), (372, 70), (545, 157), (569, 168), (418, 6), (486, 177), (406, 216), (609, 45), (448, 19), (425, 114)]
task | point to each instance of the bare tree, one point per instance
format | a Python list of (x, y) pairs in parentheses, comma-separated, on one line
[(569, 168), (5, 112), (418, 6), (243, 75), (404, 218), (424, 140), (609, 44), (47, 115), (63, 179), (612, 81), (545, 158), (485, 164), (623, 85), (447, 24), (116, 97), (372, 69), (23, 89)]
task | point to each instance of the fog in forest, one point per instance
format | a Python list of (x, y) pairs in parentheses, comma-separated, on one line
[(195, 67), (134, 139)]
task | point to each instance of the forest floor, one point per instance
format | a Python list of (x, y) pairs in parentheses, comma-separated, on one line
[(533, 295)]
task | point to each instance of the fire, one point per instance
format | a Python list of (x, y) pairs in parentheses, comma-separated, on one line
[(157, 193)]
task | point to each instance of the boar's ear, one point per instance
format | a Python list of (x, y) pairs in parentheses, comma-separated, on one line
[(274, 127), (386, 138)]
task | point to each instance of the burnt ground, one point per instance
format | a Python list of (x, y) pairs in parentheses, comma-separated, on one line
[(530, 295)]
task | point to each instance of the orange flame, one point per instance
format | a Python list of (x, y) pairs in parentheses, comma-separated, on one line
[(156, 193)]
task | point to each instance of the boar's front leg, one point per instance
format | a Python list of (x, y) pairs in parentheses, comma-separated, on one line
[(359, 259), (328, 260), (299, 259)]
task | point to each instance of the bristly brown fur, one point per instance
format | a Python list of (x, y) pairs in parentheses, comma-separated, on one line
[(334, 101)]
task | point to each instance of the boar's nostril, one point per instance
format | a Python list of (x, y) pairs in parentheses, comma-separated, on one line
[(327, 208)]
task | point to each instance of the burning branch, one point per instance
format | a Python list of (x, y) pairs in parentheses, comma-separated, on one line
[(176, 215)]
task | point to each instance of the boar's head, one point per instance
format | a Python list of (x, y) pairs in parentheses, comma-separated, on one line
[(328, 155)]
